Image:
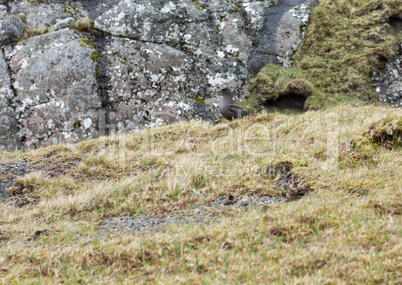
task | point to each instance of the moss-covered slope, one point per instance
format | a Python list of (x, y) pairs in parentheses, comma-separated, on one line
[(345, 42)]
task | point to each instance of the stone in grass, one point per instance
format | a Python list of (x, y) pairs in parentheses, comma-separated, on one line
[(245, 202)]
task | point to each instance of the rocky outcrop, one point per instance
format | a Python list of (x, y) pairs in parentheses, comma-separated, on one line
[(215, 37), (388, 82), (152, 62)]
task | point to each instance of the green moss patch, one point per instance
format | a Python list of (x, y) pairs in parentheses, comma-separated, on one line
[(345, 42)]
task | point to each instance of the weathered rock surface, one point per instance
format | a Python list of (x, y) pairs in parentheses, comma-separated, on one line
[(388, 82), (215, 36), (8, 121), (188, 50), (147, 83), (290, 32), (11, 28), (157, 62), (281, 32), (45, 15), (58, 15), (54, 82)]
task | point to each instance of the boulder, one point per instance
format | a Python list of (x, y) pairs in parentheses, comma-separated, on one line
[(55, 89), (290, 32), (42, 15), (280, 34), (11, 28)]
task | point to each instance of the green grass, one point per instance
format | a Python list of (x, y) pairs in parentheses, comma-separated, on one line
[(345, 230), (345, 42)]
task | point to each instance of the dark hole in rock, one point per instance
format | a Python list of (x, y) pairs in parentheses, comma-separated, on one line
[(289, 101), (396, 23)]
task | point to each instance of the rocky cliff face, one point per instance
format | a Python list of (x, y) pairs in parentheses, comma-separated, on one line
[(145, 63)]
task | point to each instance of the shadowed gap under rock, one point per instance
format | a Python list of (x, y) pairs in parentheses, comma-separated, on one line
[(290, 101)]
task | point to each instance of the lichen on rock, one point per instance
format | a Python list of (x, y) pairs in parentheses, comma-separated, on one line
[(128, 65), (54, 86)]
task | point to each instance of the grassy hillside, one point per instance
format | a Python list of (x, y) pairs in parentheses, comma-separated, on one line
[(345, 42), (332, 179)]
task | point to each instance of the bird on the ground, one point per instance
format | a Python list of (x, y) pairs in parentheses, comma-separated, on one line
[(228, 108)]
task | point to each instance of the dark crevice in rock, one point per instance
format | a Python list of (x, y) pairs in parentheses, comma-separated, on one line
[(11, 86), (11, 101), (290, 101), (396, 24), (5, 3), (102, 66), (386, 81), (95, 8)]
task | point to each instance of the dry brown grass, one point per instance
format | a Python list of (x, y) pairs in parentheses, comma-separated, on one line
[(346, 230)]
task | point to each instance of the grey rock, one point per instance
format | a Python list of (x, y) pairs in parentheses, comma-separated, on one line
[(244, 202), (3, 9), (145, 223), (11, 28), (281, 22), (8, 128), (291, 32), (388, 82), (6, 93), (55, 88), (8, 121), (50, 15), (148, 83), (93, 8), (219, 32), (57, 15), (265, 200), (201, 214), (212, 48)]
